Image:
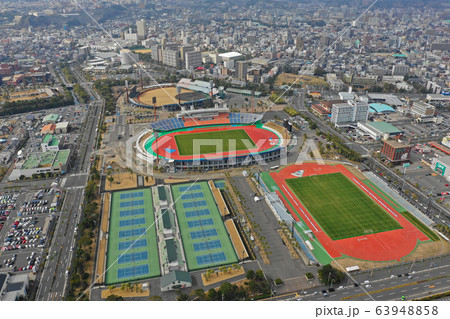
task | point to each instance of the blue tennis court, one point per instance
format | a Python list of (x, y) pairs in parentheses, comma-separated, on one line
[(131, 232), (203, 233), (132, 212), (191, 188), (200, 223), (194, 204), (132, 203), (197, 213), (211, 258), (131, 195), (207, 245), (131, 222), (192, 196), (132, 244), (134, 271), (133, 257)]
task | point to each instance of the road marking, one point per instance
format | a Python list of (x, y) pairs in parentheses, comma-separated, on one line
[(382, 285), (404, 290), (439, 282), (415, 288), (391, 293)]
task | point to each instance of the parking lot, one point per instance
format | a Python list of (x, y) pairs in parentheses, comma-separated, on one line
[(26, 218)]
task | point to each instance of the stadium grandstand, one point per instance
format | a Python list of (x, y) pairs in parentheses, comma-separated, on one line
[(243, 139), (171, 97)]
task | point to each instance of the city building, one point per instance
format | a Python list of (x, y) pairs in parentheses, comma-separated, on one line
[(127, 57), (176, 279), (378, 130), (441, 166), (193, 59), (170, 58), (241, 71), (421, 109), (141, 29), (52, 143), (54, 162), (13, 286), (346, 114), (50, 118), (400, 69), (396, 151)]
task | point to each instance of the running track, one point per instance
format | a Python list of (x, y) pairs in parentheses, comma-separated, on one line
[(385, 246)]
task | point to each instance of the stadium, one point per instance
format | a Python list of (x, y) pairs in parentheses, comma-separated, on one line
[(171, 97), (338, 213), (207, 139)]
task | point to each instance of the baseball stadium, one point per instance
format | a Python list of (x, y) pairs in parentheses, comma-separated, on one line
[(200, 139), (338, 213), (171, 97)]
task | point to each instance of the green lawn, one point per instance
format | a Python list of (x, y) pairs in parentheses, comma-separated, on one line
[(340, 207), (185, 142), (419, 225)]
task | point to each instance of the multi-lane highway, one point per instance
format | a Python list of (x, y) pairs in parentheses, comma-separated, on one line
[(55, 275), (413, 281)]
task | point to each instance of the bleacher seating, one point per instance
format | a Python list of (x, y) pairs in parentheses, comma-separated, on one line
[(222, 118)]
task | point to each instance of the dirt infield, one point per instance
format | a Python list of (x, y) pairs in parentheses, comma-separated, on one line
[(238, 245), (164, 96), (386, 246)]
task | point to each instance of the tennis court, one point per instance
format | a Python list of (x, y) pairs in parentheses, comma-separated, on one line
[(206, 242), (132, 247)]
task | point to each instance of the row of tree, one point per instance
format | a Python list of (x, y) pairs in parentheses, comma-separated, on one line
[(16, 107)]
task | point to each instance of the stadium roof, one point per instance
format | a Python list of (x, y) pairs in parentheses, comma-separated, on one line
[(384, 127), (380, 108)]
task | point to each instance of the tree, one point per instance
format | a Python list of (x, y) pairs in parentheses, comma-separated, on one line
[(110, 179), (259, 275), (250, 274), (319, 71), (114, 298), (327, 274)]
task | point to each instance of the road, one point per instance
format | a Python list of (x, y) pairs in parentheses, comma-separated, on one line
[(427, 277), (54, 278)]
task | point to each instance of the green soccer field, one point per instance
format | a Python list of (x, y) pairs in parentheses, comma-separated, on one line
[(185, 142), (340, 208)]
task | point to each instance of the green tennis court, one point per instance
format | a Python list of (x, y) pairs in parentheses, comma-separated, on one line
[(340, 207), (185, 142), (205, 240), (132, 248)]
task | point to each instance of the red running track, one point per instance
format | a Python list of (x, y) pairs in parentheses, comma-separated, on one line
[(260, 137), (385, 246)]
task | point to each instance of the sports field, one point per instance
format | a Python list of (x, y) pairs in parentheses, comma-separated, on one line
[(206, 242), (164, 96), (132, 247), (224, 139), (340, 208)]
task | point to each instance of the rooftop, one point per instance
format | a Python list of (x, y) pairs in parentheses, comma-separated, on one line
[(384, 127), (50, 118), (380, 108)]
